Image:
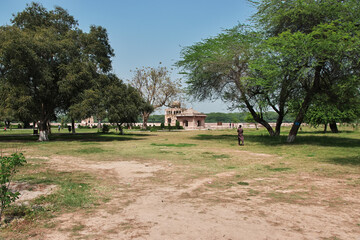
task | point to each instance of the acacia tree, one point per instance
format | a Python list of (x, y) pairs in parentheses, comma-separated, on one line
[(43, 55), (227, 67), (320, 42), (156, 87)]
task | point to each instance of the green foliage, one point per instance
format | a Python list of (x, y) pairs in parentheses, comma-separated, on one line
[(105, 128), (243, 183), (318, 42), (42, 66), (156, 118), (162, 126), (173, 145), (122, 102), (177, 125), (9, 166), (90, 150), (299, 50)]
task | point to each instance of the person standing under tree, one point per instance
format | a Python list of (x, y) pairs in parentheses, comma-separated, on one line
[(240, 135)]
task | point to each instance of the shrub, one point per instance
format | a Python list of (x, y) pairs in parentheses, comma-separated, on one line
[(9, 166), (84, 127), (105, 128), (162, 126)]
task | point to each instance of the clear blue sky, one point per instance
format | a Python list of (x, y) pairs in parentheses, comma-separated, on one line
[(146, 32)]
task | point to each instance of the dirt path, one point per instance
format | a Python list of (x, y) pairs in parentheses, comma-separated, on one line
[(155, 202)]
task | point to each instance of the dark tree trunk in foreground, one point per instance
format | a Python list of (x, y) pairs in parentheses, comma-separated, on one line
[(278, 125), (43, 131), (333, 127), (26, 124), (299, 118), (325, 127), (73, 126), (49, 127), (305, 106)]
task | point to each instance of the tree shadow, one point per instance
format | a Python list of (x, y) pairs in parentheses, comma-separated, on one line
[(325, 141), (328, 141), (354, 161), (322, 132), (81, 137)]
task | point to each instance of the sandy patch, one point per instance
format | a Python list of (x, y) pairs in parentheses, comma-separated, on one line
[(268, 208), (31, 191)]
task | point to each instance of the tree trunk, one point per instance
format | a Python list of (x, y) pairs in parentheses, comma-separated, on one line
[(278, 125), (333, 127), (73, 126), (305, 106), (49, 127), (299, 119), (259, 119), (256, 116), (121, 130), (43, 131), (145, 119), (26, 124), (325, 127)]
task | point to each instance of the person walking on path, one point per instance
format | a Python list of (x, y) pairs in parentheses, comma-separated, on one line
[(240, 135)]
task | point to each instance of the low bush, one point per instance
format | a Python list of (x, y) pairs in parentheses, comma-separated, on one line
[(105, 128), (9, 166)]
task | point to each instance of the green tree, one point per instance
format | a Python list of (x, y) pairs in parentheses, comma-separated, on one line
[(123, 103), (156, 87), (222, 67), (318, 40), (325, 110), (47, 61)]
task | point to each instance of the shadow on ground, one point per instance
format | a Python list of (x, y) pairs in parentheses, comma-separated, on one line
[(346, 160), (81, 137), (328, 140)]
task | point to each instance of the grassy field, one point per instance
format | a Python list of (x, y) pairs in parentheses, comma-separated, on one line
[(195, 155)]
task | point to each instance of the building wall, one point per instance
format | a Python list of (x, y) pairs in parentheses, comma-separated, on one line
[(171, 113), (192, 122)]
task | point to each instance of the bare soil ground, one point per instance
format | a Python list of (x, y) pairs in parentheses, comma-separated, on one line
[(155, 201)]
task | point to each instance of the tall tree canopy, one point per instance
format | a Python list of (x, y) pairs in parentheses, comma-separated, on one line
[(228, 67), (296, 50), (46, 61), (320, 42)]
